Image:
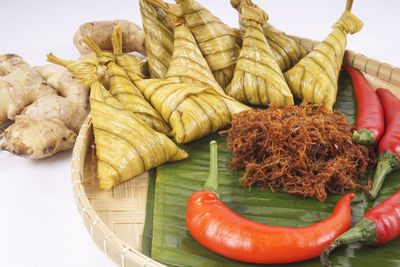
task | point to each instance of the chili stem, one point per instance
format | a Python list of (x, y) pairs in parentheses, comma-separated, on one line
[(387, 162), (363, 231), (212, 180), (364, 137)]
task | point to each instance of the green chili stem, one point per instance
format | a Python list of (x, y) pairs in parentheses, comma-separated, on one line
[(363, 231), (212, 180), (364, 137), (387, 162)]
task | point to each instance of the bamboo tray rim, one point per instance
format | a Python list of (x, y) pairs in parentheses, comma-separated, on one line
[(118, 250)]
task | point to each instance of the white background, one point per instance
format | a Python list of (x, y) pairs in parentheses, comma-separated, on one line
[(39, 223)]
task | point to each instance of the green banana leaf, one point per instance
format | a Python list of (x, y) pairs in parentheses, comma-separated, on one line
[(172, 243), (148, 227)]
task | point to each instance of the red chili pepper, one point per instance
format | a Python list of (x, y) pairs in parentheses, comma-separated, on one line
[(389, 146), (221, 230), (378, 226), (370, 123)]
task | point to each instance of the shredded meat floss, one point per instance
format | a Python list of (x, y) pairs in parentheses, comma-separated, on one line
[(304, 150)]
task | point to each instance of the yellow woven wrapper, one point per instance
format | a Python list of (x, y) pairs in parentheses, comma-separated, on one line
[(315, 77), (192, 111), (125, 145), (122, 88), (257, 79), (286, 51), (189, 99), (159, 39), (217, 42), (187, 64)]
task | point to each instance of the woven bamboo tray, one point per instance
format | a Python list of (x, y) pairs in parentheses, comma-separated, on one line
[(115, 218)]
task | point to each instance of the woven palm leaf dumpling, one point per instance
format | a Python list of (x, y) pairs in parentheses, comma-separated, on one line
[(189, 99), (122, 88), (187, 63), (128, 62), (315, 77), (216, 40), (159, 39), (286, 51), (258, 78), (125, 145), (192, 111)]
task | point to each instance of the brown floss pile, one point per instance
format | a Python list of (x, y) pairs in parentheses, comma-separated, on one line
[(304, 150)]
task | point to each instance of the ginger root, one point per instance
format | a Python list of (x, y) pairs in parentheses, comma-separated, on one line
[(47, 119), (37, 139), (64, 82), (100, 31)]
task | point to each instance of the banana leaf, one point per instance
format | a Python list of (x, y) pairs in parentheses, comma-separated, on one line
[(172, 243), (148, 227)]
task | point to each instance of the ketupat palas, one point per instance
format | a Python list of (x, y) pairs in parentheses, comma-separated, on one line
[(192, 111), (159, 39), (194, 105), (46, 122), (217, 42), (315, 77), (286, 51), (187, 64), (122, 88), (257, 79), (128, 62), (125, 146)]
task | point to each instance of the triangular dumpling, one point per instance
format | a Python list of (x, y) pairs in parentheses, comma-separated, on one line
[(187, 64), (217, 42), (125, 146), (257, 79), (315, 77), (286, 51), (123, 89), (192, 111)]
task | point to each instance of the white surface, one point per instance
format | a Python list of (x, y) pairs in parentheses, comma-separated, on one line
[(40, 225)]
